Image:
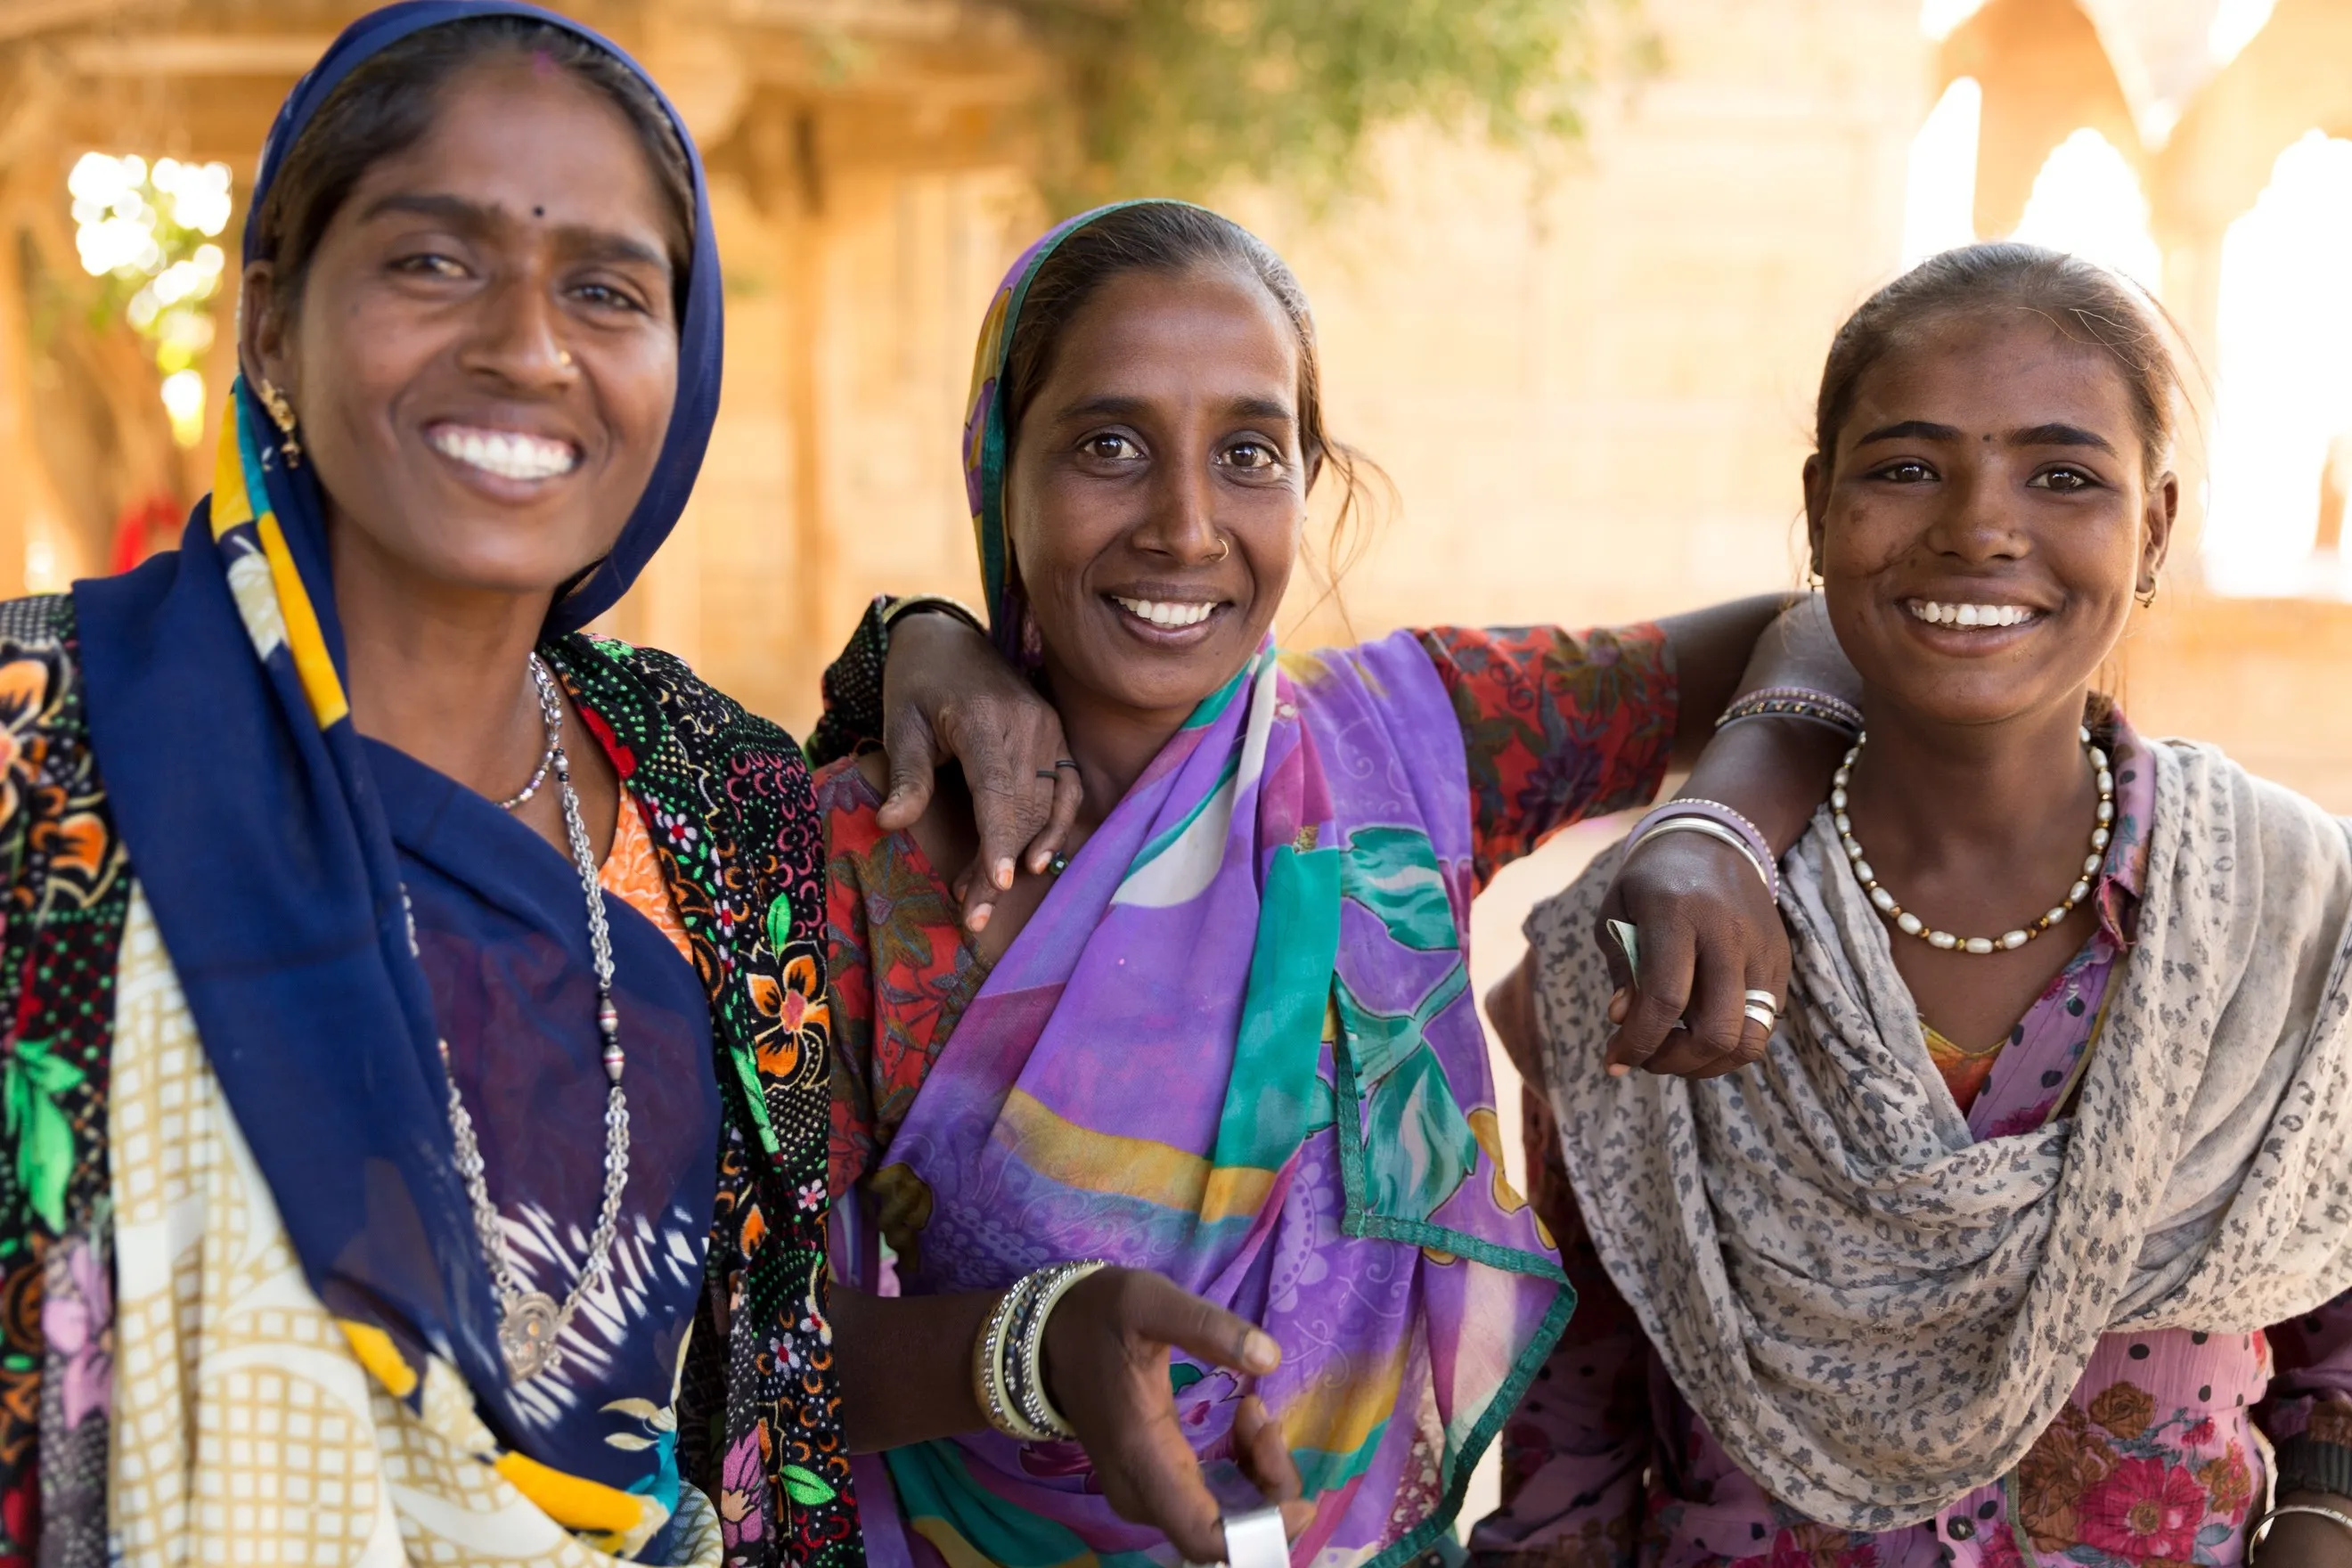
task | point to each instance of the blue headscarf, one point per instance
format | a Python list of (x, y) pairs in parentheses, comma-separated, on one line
[(279, 849)]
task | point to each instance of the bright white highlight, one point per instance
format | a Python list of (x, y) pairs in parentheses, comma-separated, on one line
[(183, 401), (1939, 197), (2087, 200), (2284, 325), (1938, 18), (2233, 27)]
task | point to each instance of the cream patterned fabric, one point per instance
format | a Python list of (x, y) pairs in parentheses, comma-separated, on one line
[(1873, 1311), (246, 1428)]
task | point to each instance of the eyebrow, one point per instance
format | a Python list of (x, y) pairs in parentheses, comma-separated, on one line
[(1911, 430), (597, 243), (2056, 435), (1109, 406)]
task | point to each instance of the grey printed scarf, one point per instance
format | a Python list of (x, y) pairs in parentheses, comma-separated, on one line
[(1874, 1312)]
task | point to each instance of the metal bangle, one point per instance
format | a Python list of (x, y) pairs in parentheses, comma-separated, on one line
[(1714, 830), (932, 603), (2261, 1528), (988, 1367), (1054, 1284), (1256, 1539), (1794, 702)]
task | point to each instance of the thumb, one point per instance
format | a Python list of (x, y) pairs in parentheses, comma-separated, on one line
[(908, 746)]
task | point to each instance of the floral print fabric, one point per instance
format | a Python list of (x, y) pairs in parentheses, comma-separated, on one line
[(734, 836), (1557, 727), (2157, 1456)]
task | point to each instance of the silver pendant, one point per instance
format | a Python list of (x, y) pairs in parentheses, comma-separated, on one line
[(526, 1335)]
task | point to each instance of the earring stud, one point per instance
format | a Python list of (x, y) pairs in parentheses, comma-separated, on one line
[(282, 414)]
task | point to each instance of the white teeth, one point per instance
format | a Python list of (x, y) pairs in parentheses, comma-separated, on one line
[(1171, 616), (509, 453), (1969, 615)]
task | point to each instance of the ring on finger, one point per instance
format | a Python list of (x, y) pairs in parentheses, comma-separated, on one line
[(1048, 773), (1764, 999), (1763, 1017), (1062, 763)]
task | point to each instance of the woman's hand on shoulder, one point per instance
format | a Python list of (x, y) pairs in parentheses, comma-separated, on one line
[(1709, 933), (947, 694), (1106, 1367)]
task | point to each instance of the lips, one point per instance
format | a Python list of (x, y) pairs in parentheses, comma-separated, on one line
[(1936, 613), (514, 455)]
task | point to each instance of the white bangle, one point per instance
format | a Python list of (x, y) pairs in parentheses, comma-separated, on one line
[(2262, 1526), (1714, 830), (1048, 1286)]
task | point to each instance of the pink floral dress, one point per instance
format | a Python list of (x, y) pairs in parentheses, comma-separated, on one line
[(2161, 1456)]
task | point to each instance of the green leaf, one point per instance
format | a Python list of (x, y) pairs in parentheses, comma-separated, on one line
[(1392, 871), (44, 1134), (780, 921), (1418, 1146), (805, 1488), (1376, 1043), (1183, 1374)]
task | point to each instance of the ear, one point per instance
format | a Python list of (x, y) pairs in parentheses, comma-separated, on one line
[(2156, 538), (264, 335), (1816, 481)]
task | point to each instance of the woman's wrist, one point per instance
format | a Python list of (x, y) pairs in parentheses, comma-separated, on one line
[(1775, 772)]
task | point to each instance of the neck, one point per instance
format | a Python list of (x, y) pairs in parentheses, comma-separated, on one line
[(1936, 793), (440, 672), (1111, 743)]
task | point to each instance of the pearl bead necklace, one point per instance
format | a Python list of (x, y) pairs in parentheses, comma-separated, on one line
[(1910, 924)]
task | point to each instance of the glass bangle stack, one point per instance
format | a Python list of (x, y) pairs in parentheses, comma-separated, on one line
[(1008, 1374)]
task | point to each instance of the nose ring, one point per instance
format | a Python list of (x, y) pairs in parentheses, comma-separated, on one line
[(1224, 548), (563, 358)]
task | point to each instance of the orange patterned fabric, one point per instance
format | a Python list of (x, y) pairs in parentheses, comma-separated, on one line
[(631, 874)]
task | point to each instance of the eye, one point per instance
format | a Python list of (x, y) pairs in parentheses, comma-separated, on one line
[(1905, 471), (1253, 456), (428, 264), (1110, 447), (609, 296), (2063, 479)]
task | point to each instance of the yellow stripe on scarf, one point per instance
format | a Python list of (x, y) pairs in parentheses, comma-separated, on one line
[(232, 508)]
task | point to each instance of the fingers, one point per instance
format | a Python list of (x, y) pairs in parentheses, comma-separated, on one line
[(1158, 1310), (1714, 1039), (910, 747), (1069, 791), (1264, 1457), (1669, 967)]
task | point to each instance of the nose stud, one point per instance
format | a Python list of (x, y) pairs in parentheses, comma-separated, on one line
[(563, 358)]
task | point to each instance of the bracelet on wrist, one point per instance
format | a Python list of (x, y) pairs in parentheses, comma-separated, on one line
[(1690, 813), (2261, 1527), (1795, 702), (1008, 1357), (929, 603)]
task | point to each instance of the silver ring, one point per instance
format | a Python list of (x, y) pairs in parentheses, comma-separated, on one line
[(1256, 1539), (1764, 999), (1765, 1017)]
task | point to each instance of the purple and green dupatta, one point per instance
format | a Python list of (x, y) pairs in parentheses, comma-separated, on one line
[(1236, 1045)]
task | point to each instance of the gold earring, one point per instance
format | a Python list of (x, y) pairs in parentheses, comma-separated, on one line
[(282, 414), (2146, 598)]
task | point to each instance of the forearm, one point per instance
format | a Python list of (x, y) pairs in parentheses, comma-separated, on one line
[(2306, 1539), (1773, 770), (905, 1365), (1713, 650)]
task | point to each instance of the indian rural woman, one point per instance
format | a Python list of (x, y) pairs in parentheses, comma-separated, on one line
[(1223, 1045), (2029, 1241), (415, 1043)]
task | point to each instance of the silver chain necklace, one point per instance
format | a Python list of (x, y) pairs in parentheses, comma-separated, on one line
[(531, 1322)]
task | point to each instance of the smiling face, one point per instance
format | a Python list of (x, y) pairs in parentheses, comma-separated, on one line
[(1987, 519), (485, 352), (1156, 491)]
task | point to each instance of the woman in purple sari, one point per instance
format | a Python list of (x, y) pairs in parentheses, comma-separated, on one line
[(1224, 1044)]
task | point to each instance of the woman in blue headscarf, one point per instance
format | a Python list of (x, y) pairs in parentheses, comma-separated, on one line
[(415, 1037)]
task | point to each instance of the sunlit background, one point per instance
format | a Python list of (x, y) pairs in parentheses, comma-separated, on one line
[(1584, 347)]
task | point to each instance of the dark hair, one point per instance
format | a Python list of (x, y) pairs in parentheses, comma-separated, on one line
[(387, 103), (2084, 301), (1173, 237)]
